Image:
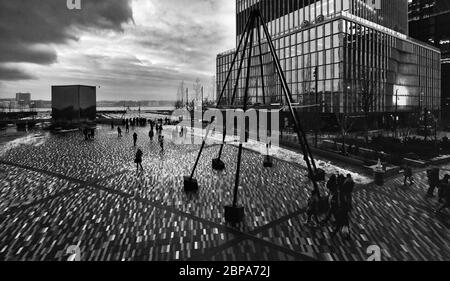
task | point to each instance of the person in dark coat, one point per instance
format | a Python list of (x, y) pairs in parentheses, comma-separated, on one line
[(347, 190), (151, 134), (138, 160), (85, 133), (135, 136), (332, 187), (119, 132), (340, 181), (445, 198), (408, 175), (443, 186), (313, 209), (161, 143)]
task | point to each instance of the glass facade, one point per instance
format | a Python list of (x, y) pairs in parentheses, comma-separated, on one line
[(287, 15), (337, 62), (429, 21), (74, 104)]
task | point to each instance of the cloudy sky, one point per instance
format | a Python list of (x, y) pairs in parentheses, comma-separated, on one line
[(132, 49)]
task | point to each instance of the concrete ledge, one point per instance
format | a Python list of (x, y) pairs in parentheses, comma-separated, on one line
[(415, 163), (441, 161)]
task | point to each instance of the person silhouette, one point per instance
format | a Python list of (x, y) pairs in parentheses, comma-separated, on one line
[(138, 160), (151, 134), (161, 143), (119, 132), (135, 136)]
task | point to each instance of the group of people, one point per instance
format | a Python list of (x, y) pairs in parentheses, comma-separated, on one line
[(337, 204), (135, 122), (154, 126), (434, 182)]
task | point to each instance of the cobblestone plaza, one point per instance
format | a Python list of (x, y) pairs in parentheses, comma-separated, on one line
[(59, 191)]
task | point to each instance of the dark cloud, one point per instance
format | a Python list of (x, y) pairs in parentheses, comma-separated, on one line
[(38, 54), (170, 41), (13, 74), (26, 26)]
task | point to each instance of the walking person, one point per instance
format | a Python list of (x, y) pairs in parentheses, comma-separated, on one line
[(85, 133), (445, 193), (92, 133), (408, 175), (342, 216), (138, 160), (347, 191), (135, 136), (127, 127), (313, 208), (332, 187), (119, 132), (161, 143), (151, 134), (444, 185), (433, 181)]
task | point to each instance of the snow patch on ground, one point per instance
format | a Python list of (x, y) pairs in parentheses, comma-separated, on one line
[(32, 140), (280, 153)]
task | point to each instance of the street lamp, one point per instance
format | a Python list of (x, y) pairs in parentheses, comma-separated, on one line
[(316, 79), (396, 114)]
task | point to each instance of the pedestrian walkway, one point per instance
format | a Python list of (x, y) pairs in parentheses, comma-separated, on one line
[(66, 192)]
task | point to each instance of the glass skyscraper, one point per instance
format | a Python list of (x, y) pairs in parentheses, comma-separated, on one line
[(338, 52), (429, 21)]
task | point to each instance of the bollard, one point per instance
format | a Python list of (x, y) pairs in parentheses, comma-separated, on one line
[(234, 215), (190, 184), (268, 162), (379, 177), (218, 164)]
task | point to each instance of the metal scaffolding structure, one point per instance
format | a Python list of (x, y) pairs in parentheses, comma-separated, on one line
[(234, 213)]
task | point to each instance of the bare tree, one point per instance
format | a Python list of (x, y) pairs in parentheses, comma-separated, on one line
[(345, 123), (368, 99)]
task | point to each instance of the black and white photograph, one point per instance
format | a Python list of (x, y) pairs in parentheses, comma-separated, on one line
[(224, 136)]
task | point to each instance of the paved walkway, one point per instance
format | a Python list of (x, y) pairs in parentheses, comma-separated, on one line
[(64, 191)]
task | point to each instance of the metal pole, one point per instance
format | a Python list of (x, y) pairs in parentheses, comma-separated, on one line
[(233, 62), (237, 79), (316, 74), (300, 133), (221, 95), (247, 81), (396, 113)]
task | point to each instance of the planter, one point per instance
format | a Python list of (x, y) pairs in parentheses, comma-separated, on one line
[(379, 177)]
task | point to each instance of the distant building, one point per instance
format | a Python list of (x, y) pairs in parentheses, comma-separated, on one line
[(74, 104), (41, 104), (429, 21), (23, 99)]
